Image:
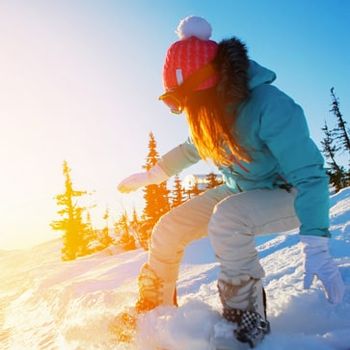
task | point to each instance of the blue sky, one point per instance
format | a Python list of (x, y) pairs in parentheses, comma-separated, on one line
[(80, 81)]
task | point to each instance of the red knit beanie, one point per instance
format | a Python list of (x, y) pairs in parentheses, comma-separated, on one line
[(189, 54)]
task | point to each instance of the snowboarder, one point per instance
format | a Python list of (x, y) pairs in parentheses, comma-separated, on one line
[(274, 180)]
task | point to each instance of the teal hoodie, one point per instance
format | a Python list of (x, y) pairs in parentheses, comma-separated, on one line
[(273, 129)]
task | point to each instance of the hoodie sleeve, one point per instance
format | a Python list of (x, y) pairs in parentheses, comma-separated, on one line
[(179, 158), (284, 130)]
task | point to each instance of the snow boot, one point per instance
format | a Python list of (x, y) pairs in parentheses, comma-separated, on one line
[(244, 312), (153, 292)]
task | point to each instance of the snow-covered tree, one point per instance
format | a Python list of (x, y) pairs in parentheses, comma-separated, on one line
[(213, 180), (135, 221), (75, 231), (91, 235), (177, 195), (195, 190), (156, 196), (336, 172), (126, 240), (104, 238), (341, 132)]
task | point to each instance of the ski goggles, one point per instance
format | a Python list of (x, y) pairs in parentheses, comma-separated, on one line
[(176, 99), (173, 101)]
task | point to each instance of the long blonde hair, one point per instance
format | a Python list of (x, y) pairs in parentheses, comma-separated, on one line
[(212, 126), (212, 129)]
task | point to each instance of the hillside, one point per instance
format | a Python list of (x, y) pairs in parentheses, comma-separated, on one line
[(49, 304)]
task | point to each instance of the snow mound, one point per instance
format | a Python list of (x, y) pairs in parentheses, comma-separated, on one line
[(49, 304)]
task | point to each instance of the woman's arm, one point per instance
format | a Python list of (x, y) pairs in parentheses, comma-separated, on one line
[(284, 130), (179, 158), (170, 164)]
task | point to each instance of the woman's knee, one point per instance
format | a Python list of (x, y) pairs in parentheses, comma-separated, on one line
[(229, 215), (165, 234)]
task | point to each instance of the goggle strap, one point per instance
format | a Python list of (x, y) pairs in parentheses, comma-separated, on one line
[(190, 84), (196, 79)]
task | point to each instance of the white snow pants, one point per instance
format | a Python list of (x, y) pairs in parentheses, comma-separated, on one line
[(231, 220)]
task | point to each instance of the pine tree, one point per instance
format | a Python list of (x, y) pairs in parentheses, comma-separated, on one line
[(135, 226), (336, 173), (90, 234), (342, 139), (74, 230), (135, 220), (156, 196), (341, 132), (212, 180), (105, 239), (153, 155), (187, 193), (126, 240), (195, 190), (178, 193)]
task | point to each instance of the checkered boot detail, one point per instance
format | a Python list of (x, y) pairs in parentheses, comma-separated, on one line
[(245, 305), (153, 291)]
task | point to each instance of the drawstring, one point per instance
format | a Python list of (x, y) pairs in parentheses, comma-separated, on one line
[(286, 185)]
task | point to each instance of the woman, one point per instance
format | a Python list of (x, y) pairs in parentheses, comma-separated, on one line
[(274, 178)]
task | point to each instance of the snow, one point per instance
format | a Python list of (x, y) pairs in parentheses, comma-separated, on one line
[(49, 304)]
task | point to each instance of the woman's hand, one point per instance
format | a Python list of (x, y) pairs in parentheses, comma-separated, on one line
[(318, 262), (154, 176)]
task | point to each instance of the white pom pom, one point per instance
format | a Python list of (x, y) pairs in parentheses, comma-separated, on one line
[(194, 26)]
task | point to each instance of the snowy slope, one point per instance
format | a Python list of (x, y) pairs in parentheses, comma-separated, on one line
[(48, 304)]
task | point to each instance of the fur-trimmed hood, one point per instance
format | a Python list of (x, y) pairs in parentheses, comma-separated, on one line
[(238, 74)]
